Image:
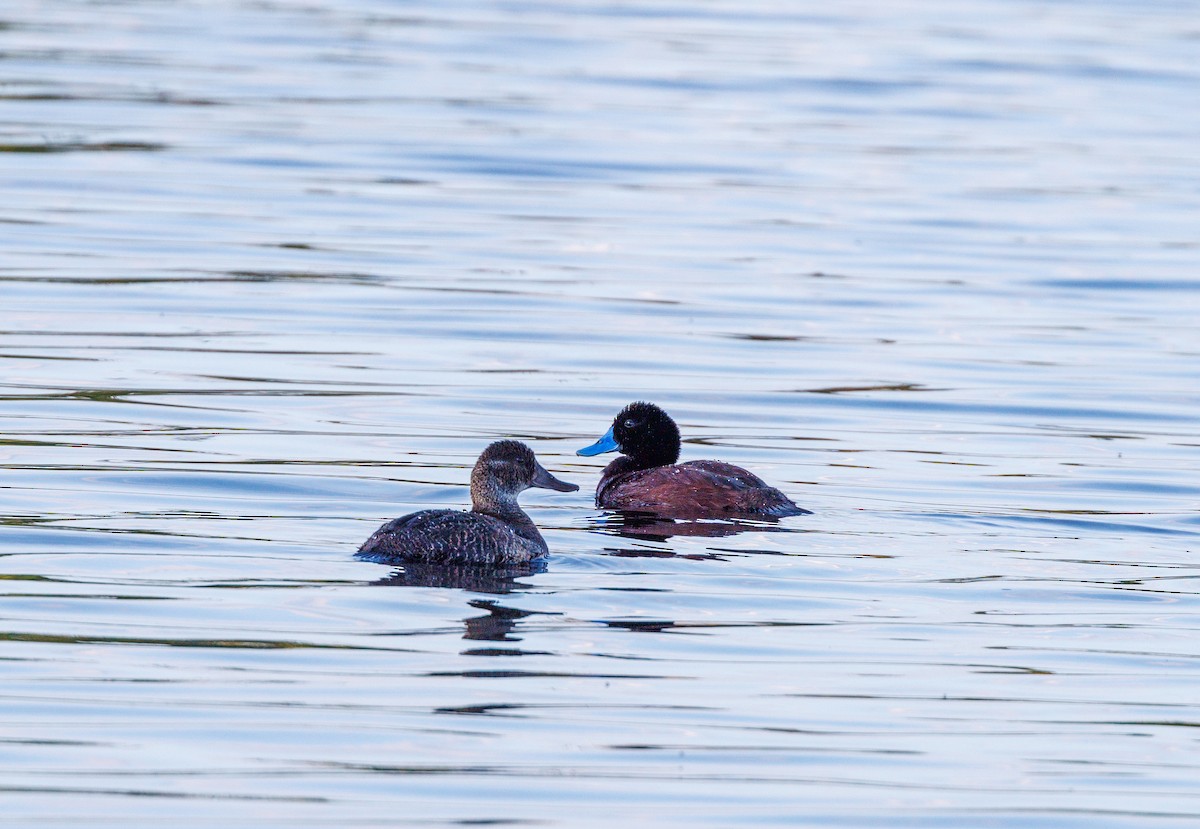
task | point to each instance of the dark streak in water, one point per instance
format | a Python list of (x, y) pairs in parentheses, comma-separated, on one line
[(492, 709), (80, 146), (121, 395), (763, 748), (768, 338), (988, 699), (240, 644), (163, 794), (885, 387)]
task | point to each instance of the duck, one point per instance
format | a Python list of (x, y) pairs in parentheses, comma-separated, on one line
[(647, 479), (495, 531)]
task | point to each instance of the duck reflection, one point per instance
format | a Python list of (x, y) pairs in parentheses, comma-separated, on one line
[(650, 527), (499, 622), (478, 578), (648, 552), (497, 625)]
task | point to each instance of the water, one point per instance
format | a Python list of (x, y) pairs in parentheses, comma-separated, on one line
[(273, 273)]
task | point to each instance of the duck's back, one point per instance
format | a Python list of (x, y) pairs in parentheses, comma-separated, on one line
[(696, 489), (445, 536)]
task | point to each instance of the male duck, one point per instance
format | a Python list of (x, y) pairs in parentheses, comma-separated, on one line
[(495, 531), (647, 479)]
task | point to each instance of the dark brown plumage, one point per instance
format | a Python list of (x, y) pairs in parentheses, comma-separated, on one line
[(647, 479), (495, 531)]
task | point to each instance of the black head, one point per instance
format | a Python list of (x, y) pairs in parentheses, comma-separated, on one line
[(507, 468), (644, 432)]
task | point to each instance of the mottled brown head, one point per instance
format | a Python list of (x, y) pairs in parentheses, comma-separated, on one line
[(505, 470)]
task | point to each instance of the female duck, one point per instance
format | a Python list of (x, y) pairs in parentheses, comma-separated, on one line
[(495, 531), (647, 479)]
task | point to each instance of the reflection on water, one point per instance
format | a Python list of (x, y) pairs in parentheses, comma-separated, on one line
[(658, 552), (657, 528), (496, 625), (271, 274), (476, 578), (499, 622)]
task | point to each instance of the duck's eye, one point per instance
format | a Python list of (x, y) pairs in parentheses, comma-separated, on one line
[(630, 423)]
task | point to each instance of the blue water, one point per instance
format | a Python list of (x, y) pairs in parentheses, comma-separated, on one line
[(273, 273)]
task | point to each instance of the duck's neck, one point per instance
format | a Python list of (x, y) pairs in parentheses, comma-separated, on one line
[(487, 500), (625, 465), (490, 500), (645, 457)]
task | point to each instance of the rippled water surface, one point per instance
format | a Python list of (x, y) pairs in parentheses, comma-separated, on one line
[(274, 272)]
